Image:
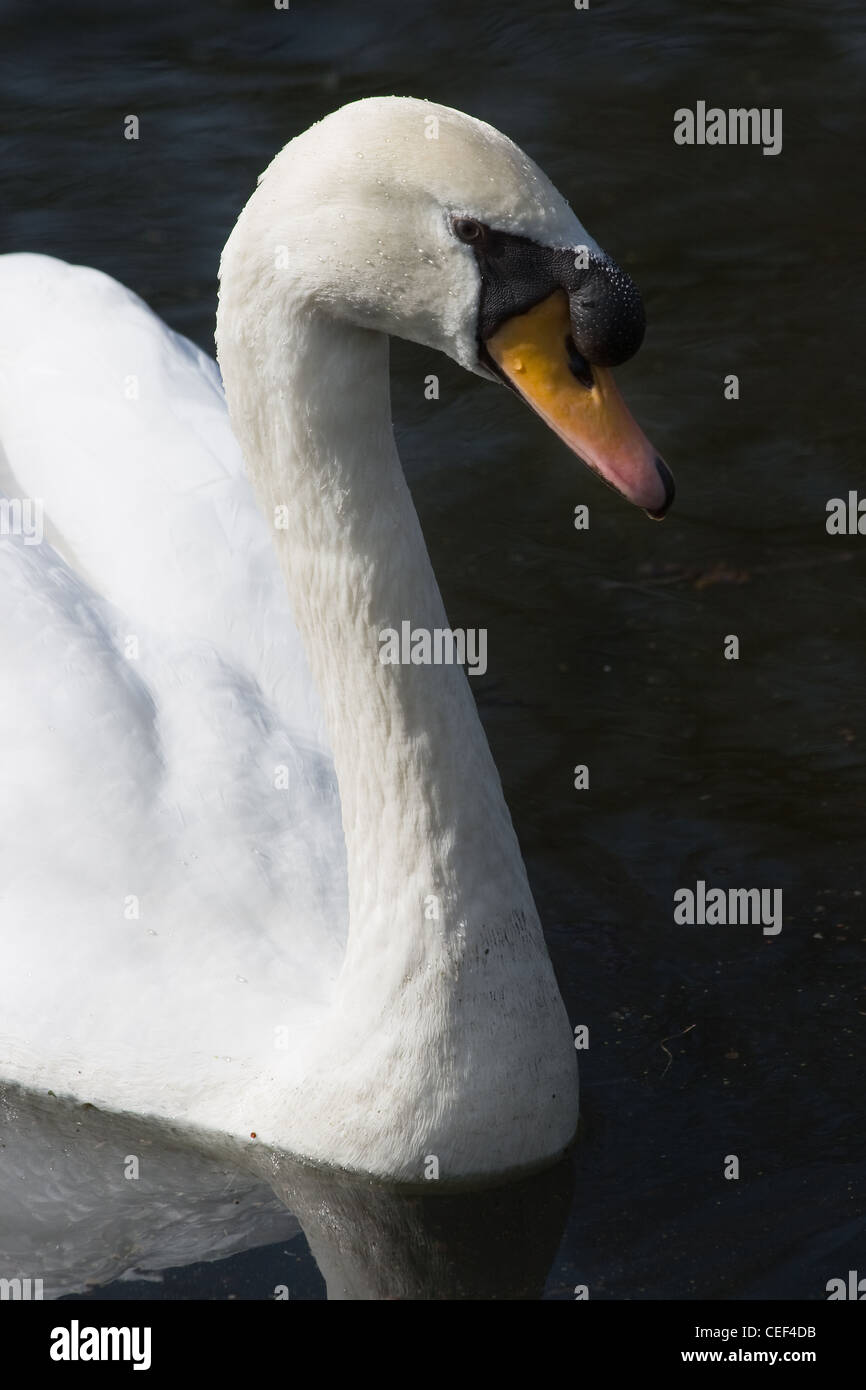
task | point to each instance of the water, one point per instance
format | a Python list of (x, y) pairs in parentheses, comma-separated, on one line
[(605, 647)]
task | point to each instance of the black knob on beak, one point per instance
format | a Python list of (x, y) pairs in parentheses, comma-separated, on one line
[(607, 313)]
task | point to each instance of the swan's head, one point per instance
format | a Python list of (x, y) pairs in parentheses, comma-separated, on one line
[(418, 221)]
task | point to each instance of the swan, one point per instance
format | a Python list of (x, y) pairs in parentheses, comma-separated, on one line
[(68, 1211), (255, 881)]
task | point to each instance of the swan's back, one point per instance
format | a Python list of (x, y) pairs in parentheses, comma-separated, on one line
[(169, 826), (120, 426)]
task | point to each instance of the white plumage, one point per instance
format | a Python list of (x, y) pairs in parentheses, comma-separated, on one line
[(188, 930)]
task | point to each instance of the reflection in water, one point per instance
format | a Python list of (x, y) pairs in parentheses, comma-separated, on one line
[(371, 1241), (71, 1216), (604, 645)]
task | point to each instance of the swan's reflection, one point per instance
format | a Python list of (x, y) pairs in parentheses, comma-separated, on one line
[(87, 1198)]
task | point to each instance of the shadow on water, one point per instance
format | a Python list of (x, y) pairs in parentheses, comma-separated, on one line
[(98, 1205)]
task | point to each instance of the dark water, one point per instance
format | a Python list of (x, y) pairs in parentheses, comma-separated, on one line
[(605, 646)]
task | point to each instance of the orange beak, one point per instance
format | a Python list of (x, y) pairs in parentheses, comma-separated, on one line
[(532, 352)]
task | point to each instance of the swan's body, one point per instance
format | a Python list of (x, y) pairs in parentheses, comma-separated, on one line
[(336, 946)]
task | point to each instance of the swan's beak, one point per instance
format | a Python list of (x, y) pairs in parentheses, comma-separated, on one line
[(536, 354)]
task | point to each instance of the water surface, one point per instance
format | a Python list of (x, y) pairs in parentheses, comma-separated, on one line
[(605, 647)]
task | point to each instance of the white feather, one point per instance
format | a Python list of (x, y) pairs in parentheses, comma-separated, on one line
[(283, 974)]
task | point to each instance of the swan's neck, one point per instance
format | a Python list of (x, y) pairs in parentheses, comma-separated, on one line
[(429, 840), (444, 950)]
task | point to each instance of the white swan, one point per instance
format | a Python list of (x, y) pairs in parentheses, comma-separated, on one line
[(253, 880)]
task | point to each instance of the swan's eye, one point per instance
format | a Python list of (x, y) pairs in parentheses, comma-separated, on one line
[(467, 229)]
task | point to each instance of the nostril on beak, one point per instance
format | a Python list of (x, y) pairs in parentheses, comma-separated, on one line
[(578, 364), (667, 478)]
